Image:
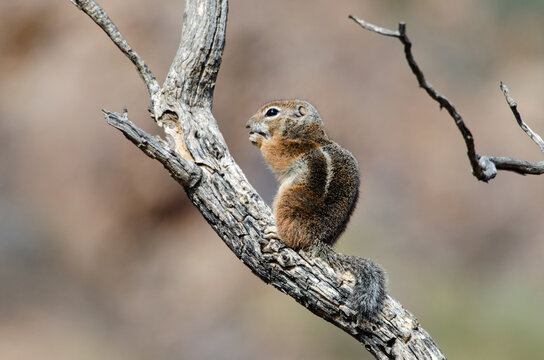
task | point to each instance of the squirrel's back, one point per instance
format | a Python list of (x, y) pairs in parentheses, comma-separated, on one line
[(317, 196)]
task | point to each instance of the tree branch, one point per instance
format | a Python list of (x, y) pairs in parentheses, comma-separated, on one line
[(484, 168), (514, 107), (99, 16), (194, 70), (196, 156), (238, 214), (184, 172), (521, 167)]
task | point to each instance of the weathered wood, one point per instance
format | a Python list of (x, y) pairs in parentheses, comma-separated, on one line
[(197, 156)]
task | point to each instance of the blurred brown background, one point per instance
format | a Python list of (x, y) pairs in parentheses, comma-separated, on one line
[(103, 257)]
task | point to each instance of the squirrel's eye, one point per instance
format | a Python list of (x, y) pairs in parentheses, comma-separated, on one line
[(272, 112)]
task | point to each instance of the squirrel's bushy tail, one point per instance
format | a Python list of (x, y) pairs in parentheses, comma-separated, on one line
[(369, 291)]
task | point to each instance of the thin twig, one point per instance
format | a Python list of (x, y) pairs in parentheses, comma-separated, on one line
[(484, 168), (376, 29), (521, 167), (514, 107), (101, 18), (477, 169)]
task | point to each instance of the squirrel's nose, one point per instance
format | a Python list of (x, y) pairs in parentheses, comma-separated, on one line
[(247, 124)]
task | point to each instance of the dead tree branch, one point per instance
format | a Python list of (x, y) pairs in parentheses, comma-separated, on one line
[(102, 19), (484, 168), (514, 107), (196, 155)]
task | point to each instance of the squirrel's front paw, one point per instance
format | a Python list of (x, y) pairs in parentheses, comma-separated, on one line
[(271, 240)]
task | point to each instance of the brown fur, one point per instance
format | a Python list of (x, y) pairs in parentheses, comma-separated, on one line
[(318, 179)]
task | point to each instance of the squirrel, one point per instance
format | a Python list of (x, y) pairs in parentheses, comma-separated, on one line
[(319, 188)]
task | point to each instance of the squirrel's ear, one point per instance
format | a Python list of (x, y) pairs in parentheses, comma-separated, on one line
[(301, 111)]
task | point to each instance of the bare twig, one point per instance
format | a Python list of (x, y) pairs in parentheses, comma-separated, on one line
[(484, 168), (521, 167), (514, 107), (375, 28), (99, 16), (435, 95)]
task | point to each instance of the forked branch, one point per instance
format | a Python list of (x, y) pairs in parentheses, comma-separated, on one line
[(195, 154), (484, 168)]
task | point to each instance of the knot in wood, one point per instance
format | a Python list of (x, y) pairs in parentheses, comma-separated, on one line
[(489, 170), (286, 259)]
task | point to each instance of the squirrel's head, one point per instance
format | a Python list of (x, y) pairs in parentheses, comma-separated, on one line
[(285, 118)]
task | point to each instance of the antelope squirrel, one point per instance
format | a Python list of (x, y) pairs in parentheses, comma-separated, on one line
[(319, 187)]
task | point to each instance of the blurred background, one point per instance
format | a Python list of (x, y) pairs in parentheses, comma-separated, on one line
[(103, 257)]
